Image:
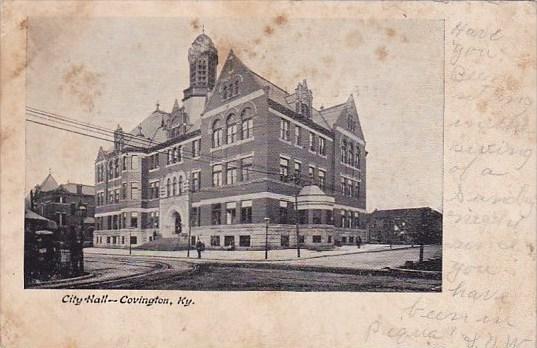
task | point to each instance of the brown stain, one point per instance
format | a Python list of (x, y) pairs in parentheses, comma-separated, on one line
[(353, 39), (83, 84), (268, 30), (195, 24), (404, 38), (5, 136), (390, 32), (257, 41), (482, 106), (525, 61), (382, 53), (512, 84), (531, 247), (281, 19), (23, 25)]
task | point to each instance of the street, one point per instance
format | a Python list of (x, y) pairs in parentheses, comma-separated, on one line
[(352, 272)]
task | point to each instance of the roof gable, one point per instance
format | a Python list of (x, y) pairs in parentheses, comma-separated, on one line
[(341, 114), (48, 184)]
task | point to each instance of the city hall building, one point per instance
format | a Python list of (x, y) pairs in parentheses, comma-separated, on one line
[(239, 162)]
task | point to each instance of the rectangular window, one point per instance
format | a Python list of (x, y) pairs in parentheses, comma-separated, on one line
[(124, 190), (231, 173), (322, 179), (169, 155), (195, 218), (311, 174), (316, 216), (246, 168), (215, 240), (322, 146), (301, 239), (297, 172), (284, 241), (179, 153), (284, 212), (124, 220), (135, 194), (284, 129), (312, 142), (216, 214), (134, 240), (343, 186), (357, 190), (302, 217), (329, 239), (246, 212), (217, 175), (229, 240), (231, 212), (349, 188), (110, 196), (124, 163), (122, 239), (134, 220), (116, 195), (134, 162), (284, 169), (195, 181), (244, 241), (316, 239), (298, 136), (231, 133), (196, 148)]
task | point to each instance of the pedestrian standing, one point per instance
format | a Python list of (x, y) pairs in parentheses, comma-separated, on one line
[(359, 242), (199, 248)]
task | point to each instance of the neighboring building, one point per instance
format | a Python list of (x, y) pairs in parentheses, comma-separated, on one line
[(65, 204), (237, 151), (409, 226)]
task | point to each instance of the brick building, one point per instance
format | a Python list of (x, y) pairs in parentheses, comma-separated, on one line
[(237, 151), (66, 204), (408, 225)]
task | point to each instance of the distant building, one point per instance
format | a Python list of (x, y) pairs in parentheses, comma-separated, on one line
[(236, 151), (410, 225), (66, 204)]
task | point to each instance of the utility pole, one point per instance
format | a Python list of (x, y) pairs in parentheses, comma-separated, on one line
[(130, 242), (296, 225), (266, 237)]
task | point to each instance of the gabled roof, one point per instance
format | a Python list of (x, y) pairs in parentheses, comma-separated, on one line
[(48, 184), (334, 113), (72, 188)]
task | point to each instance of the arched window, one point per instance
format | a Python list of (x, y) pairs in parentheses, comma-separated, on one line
[(180, 186), (235, 87), (174, 186), (217, 133), (231, 129), (247, 123), (168, 184)]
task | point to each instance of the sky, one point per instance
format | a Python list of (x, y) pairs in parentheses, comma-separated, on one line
[(111, 71)]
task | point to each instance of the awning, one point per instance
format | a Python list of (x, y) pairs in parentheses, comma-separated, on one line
[(32, 216)]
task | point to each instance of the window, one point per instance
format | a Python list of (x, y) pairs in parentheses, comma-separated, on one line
[(216, 214), (356, 220), (114, 222), (351, 155), (231, 129), (134, 220), (298, 136), (343, 222), (358, 157), (284, 241), (202, 70), (349, 188), (284, 129), (244, 241), (322, 179), (312, 142), (116, 168), (344, 151), (174, 186), (230, 89), (215, 240), (246, 212), (247, 124), (311, 174), (301, 239), (169, 156), (231, 173), (195, 181), (180, 186), (134, 240), (343, 239), (217, 175), (135, 194), (231, 213), (316, 239), (229, 240), (284, 215), (196, 144), (124, 220), (297, 172), (195, 216), (357, 190), (329, 239), (349, 219), (116, 196), (351, 240), (246, 168), (322, 146), (124, 163), (343, 186), (134, 162), (284, 169), (217, 134), (316, 216), (179, 157), (302, 217), (329, 217), (168, 187), (154, 219), (153, 161), (154, 190), (124, 190)]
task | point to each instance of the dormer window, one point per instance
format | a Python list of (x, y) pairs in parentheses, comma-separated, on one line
[(230, 89)]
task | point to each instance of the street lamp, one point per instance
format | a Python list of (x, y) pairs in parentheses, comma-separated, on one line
[(267, 220), (82, 210)]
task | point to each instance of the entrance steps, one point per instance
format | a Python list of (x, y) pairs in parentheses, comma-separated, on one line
[(164, 244)]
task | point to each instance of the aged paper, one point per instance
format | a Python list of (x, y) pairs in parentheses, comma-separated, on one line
[(445, 97)]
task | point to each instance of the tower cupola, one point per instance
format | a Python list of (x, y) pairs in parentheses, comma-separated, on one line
[(203, 60)]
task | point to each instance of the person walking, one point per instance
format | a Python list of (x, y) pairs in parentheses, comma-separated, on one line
[(359, 242), (199, 248)]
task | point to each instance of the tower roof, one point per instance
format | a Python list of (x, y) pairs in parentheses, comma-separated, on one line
[(202, 44), (48, 184)]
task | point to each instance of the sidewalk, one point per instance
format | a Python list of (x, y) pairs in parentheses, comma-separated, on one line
[(251, 255)]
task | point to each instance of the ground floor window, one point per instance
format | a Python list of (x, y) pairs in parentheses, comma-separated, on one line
[(244, 241), (301, 239), (193, 240), (107, 240), (351, 239), (134, 240), (215, 240), (316, 239), (329, 239), (344, 239), (229, 240), (285, 241), (122, 239)]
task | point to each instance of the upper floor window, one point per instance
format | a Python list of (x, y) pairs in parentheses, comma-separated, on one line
[(195, 181), (153, 161), (312, 142), (246, 168), (134, 162), (231, 129), (344, 151), (168, 187), (358, 157), (217, 134), (202, 70), (284, 129), (231, 173), (135, 194), (298, 171), (351, 155), (351, 123), (196, 148), (124, 163), (322, 179), (284, 169), (311, 173), (180, 184), (217, 175), (322, 146), (298, 135), (230, 89), (174, 186), (247, 123)]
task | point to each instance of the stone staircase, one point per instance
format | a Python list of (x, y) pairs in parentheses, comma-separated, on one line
[(164, 244)]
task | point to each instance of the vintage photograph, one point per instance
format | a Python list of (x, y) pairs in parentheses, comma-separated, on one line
[(234, 155)]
